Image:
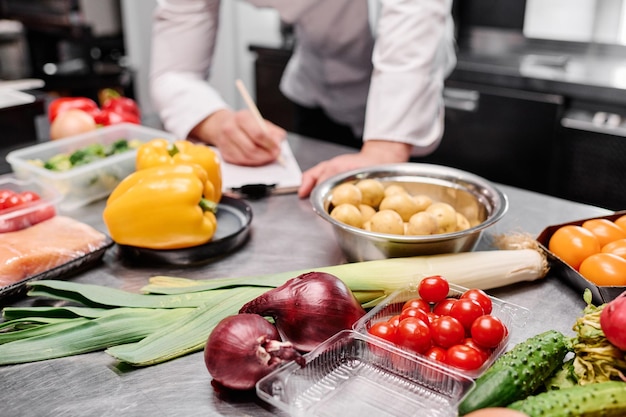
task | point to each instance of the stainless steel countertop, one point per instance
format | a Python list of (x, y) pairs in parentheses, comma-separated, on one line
[(286, 235)]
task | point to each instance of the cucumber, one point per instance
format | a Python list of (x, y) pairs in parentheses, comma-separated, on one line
[(518, 373), (605, 399)]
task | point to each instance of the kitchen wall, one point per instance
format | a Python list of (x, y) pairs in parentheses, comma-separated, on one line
[(240, 25), (602, 21)]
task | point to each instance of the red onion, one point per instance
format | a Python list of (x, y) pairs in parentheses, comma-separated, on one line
[(308, 309), (613, 321), (243, 348)]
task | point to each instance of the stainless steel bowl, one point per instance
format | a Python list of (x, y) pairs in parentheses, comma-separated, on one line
[(469, 194)]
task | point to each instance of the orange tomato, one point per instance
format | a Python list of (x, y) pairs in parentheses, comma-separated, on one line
[(573, 244), (617, 247), (604, 269), (605, 230), (621, 222)]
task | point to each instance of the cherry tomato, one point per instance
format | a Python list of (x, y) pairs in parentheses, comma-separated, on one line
[(464, 357), (414, 312), (432, 316), (394, 321), (485, 352), (604, 269), (442, 308), (446, 331), (617, 247), (605, 230), (479, 295), (573, 244), (414, 335), (436, 353), (6, 193), (466, 311), (417, 302), (28, 196), (488, 331), (384, 330), (621, 222), (10, 201), (433, 289)]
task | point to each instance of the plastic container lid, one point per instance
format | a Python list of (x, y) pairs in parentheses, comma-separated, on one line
[(356, 375)]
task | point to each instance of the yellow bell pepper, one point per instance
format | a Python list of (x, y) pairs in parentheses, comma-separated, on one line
[(163, 207), (161, 152)]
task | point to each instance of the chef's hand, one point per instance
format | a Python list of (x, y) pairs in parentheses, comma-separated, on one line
[(239, 137), (373, 152)]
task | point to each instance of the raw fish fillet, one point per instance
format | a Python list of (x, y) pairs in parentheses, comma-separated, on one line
[(41, 247)]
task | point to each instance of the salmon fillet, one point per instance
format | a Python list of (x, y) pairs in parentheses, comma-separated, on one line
[(41, 247)]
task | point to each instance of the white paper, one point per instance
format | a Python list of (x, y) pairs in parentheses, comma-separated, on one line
[(285, 176)]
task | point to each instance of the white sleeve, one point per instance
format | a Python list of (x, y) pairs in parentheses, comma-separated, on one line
[(414, 52), (183, 40)]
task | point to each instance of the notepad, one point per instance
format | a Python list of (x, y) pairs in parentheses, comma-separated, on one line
[(287, 176)]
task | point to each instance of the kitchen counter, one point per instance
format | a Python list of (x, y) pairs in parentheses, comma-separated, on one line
[(286, 235)]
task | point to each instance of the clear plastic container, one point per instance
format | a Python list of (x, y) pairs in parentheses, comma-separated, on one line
[(28, 214), (511, 315), (353, 374), (84, 184)]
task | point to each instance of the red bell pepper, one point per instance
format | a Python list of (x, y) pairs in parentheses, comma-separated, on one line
[(114, 108), (62, 104), (114, 104), (110, 117)]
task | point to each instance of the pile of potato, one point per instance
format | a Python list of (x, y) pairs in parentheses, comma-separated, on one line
[(369, 204)]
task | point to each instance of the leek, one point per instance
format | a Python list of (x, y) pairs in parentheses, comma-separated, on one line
[(186, 335), (481, 269), (121, 325), (173, 316)]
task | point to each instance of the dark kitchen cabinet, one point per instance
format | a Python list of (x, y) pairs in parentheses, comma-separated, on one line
[(504, 135), (590, 157)]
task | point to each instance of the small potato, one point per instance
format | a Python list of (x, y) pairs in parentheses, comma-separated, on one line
[(422, 201), (346, 193), (445, 215), (394, 189), (401, 203), (366, 211), (372, 191), (367, 226), (461, 222), (387, 221), (348, 214), (422, 223)]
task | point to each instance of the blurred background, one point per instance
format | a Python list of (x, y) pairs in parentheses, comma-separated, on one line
[(537, 99)]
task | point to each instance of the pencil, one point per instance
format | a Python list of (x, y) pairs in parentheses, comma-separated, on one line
[(255, 111)]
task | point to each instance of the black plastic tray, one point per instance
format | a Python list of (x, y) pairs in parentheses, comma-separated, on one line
[(18, 289), (601, 294), (234, 217)]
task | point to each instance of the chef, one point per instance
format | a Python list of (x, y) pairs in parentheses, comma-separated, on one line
[(375, 86)]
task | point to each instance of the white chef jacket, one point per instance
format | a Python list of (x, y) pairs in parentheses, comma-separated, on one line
[(385, 88)]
